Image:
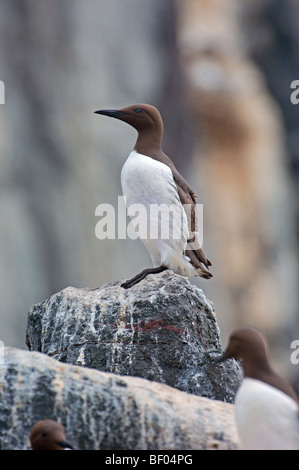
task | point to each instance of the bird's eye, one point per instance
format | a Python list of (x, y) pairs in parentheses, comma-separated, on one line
[(138, 110)]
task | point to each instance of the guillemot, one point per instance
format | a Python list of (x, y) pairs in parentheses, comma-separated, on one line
[(48, 434), (266, 405), (149, 177)]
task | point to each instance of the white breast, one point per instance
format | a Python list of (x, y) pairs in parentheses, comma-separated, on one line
[(267, 419), (149, 183), (145, 180)]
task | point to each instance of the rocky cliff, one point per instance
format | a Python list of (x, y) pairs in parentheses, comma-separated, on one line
[(106, 411), (122, 369)]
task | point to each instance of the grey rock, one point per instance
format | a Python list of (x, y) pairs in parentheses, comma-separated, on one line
[(163, 329), (106, 411)]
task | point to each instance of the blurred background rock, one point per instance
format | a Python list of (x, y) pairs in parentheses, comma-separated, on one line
[(220, 73)]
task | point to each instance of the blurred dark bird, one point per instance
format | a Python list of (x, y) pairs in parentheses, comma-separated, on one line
[(48, 435), (266, 406), (149, 178)]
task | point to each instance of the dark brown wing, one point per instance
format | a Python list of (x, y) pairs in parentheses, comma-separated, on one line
[(187, 198)]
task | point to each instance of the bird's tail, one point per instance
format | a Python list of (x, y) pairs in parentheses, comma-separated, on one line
[(198, 264), (197, 255)]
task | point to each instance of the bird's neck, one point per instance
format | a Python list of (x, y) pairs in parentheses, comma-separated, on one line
[(149, 142), (251, 371)]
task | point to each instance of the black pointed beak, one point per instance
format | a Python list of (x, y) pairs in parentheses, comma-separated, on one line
[(220, 358), (66, 445), (215, 357), (110, 112)]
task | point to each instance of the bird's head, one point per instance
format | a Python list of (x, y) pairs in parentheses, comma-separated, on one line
[(246, 344), (47, 434), (140, 116)]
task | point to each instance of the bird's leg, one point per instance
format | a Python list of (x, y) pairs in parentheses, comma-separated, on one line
[(142, 275)]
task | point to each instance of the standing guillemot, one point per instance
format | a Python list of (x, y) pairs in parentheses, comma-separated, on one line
[(149, 177), (47, 434), (266, 406)]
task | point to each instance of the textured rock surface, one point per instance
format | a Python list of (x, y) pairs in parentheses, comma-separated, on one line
[(162, 329), (106, 411)]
